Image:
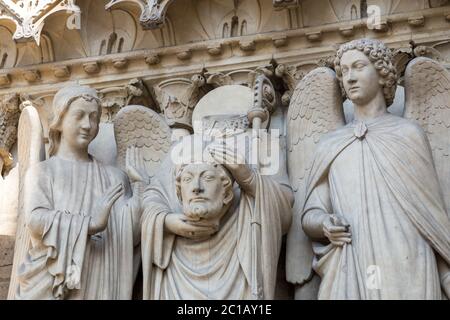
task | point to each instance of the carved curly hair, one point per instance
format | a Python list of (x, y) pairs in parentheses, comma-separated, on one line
[(380, 56)]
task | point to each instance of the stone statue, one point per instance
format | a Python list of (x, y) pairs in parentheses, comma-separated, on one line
[(373, 204), (202, 209), (197, 229), (80, 215)]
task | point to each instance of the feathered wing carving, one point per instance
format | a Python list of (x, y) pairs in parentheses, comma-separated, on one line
[(141, 127), (31, 151), (315, 109), (427, 89)]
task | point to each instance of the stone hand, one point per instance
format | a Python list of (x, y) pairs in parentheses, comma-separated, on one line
[(236, 164), (135, 166), (336, 229), (99, 219), (179, 225)]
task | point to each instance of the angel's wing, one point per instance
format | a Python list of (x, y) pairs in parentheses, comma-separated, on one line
[(427, 87), (315, 109), (31, 151), (143, 128)]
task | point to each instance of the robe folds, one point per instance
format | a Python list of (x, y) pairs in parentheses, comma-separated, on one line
[(384, 184), (65, 262), (219, 267)]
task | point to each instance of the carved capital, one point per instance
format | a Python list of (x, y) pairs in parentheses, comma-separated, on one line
[(327, 62), (177, 99), (153, 12), (113, 99), (244, 77), (5, 79), (290, 77), (429, 52), (9, 119), (400, 58)]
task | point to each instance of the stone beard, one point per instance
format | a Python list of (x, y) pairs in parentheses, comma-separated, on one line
[(210, 199)]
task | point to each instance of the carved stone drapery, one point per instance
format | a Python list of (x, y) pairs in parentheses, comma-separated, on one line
[(9, 119), (29, 17)]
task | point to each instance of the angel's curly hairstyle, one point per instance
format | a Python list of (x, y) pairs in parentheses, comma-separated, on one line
[(380, 56)]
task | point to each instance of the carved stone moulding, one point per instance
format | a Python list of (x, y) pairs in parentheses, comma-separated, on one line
[(120, 63), (314, 36), (153, 12), (280, 41), (286, 41), (247, 45), (5, 79), (91, 67), (29, 16), (416, 21), (283, 4), (152, 59), (347, 31), (381, 26), (184, 55), (215, 50), (31, 75), (62, 71)]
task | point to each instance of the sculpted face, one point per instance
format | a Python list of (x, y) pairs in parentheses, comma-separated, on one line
[(80, 124), (360, 78), (205, 192)]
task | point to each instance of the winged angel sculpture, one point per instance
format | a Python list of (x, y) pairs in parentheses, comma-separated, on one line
[(79, 220), (372, 196)]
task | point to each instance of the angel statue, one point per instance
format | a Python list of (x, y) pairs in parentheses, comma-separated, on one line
[(373, 203), (80, 222)]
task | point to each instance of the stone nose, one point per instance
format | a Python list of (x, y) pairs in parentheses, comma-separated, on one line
[(86, 123), (197, 186)]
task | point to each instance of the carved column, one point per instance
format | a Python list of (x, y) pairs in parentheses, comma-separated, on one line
[(9, 119)]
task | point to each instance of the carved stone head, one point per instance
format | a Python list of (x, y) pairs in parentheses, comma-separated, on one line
[(77, 114), (364, 67), (205, 191)]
